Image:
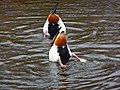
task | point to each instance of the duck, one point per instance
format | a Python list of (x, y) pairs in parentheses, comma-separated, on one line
[(53, 24), (60, 51)]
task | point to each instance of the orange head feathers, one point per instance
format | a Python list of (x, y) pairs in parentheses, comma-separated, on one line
[(60, 40), (53, 18)]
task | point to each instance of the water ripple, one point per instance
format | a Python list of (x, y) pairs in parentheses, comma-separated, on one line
[(92, 33)]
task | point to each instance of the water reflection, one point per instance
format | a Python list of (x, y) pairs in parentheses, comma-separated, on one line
[(92, 31)]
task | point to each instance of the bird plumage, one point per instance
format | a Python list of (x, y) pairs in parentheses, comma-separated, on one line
[(55, 28), (60, 51), (53, 23)]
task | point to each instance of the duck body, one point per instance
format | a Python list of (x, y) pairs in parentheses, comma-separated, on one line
[(53, 54), (53, 29), (62, 53), (59, 51), (53, 24)]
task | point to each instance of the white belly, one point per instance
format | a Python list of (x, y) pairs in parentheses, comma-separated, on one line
[(53, 54)]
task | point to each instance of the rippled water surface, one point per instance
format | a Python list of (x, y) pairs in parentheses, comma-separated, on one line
[(93, 32)]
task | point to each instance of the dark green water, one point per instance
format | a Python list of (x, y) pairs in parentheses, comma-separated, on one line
[(93, 31)]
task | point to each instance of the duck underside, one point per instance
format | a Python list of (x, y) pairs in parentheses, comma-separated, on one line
[(53, 29), (64, 54)]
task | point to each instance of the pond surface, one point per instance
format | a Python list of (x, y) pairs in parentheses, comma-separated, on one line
[(93, 32)]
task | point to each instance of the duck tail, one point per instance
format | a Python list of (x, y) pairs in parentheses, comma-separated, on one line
[(54, 9)]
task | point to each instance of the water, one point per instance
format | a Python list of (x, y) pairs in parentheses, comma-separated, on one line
[(93, 32)]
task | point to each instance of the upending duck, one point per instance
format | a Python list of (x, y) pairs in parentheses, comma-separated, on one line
[(60, 52), (53, 24)]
